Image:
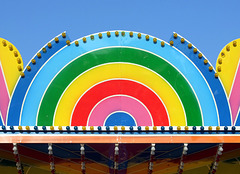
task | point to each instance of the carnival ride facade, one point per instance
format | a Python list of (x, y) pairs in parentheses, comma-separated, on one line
[(119, 102)]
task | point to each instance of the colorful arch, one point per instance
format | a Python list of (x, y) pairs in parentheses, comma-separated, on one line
[(130, 56), (205, 67), (228, 69), (134, 72), (23, 84), (127, 71), (11, 65), (153, 108), (62, 59), (114, 104), (227, 64)]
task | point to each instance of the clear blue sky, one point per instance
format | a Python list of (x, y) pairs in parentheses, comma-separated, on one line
[(208, 24)]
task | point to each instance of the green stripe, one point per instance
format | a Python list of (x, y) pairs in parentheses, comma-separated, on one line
[(107, 55)]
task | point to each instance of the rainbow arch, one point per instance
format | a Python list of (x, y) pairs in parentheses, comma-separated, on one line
[(23, 83), (68, 75), (11, 65), (227, 66), (110, 106), (205, 67), (124, 71)]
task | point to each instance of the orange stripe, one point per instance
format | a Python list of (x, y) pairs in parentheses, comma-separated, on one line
[(120, 139)]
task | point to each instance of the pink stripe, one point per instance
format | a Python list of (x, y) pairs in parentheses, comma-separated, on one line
[(4, 97), (120, 103), (235, 96)]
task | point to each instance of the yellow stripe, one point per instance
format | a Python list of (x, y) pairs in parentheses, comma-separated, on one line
[(228, 62), (119, 70), (9, 63)]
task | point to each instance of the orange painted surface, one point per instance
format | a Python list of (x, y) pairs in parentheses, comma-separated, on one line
[(120, 139)]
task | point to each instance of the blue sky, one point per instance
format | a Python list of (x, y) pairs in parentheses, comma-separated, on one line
[(208, 24)]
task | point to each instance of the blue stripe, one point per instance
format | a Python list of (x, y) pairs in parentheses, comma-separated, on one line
[(238, 119), (1, 119), (120, 119), (23, 83), (214, 83)]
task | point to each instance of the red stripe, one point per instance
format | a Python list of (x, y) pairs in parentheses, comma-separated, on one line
[(114, 87)]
